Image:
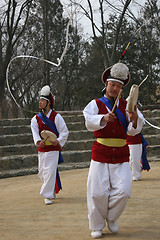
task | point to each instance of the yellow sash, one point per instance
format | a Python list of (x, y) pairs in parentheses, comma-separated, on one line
[(112, 142)]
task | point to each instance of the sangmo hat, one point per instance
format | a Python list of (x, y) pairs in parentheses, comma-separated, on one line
[(119, 72)]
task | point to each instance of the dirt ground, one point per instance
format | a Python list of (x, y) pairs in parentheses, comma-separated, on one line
[(24, 216)]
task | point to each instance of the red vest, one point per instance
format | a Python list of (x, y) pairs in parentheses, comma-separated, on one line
[(134, 139), (43, 126), (105, 154)]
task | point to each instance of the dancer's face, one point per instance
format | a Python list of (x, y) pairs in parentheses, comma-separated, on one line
[(112, 89), (42, 103)]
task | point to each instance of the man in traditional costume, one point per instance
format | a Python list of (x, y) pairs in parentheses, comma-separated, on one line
[(110, 178), (49, 153), (138, 155)]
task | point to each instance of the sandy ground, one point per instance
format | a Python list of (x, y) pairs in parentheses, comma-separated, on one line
[(24, 216)]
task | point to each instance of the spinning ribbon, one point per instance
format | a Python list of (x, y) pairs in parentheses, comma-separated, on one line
[(59, 60), (152, 125)]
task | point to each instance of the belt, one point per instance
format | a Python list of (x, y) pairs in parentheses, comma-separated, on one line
[(112, 142)]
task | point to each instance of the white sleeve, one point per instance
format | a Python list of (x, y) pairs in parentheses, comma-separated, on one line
[(35, 130), (140, 122), (92, 118), (62, 129)]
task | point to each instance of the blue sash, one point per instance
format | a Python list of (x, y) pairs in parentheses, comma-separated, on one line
[(120, 115), (48, 122), (145, 164), (52, 126)]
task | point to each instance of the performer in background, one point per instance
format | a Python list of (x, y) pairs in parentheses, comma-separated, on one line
[(138, 155), (49, 153), (110, 178)]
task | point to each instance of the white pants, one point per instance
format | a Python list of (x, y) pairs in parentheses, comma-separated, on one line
[(47, 167), (108, 189), (135, 160)]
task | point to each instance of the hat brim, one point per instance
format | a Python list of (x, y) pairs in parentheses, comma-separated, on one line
[(106, 73)]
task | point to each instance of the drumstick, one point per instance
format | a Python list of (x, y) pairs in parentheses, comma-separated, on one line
[(118, 97), (46, 139)]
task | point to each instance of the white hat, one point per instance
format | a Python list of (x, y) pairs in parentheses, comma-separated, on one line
[(46, 94), (119, 72)]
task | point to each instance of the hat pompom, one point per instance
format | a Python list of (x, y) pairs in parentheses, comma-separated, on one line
[(45, 91), (46, 94), (119, 71)]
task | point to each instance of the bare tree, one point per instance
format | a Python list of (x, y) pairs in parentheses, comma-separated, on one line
[(100, 31), (12, 25)]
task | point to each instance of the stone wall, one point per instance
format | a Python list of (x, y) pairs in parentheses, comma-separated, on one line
[(18, 155)]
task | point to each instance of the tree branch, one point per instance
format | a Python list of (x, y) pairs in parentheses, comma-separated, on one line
[(119, 27)]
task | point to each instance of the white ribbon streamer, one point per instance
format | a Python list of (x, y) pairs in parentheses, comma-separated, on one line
[(41, 59), (147, 120), (152, 124)]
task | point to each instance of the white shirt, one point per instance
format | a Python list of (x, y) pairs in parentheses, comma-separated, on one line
[(60, 125), (93, 119)]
